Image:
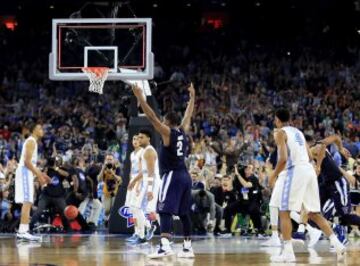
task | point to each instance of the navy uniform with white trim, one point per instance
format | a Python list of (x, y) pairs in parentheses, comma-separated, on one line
[(175, 192), (334, 189)]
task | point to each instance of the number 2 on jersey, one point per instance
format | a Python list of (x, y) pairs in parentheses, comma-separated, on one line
[(179, 146)]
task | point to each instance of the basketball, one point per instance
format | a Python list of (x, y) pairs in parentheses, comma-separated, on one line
[(71, 212)]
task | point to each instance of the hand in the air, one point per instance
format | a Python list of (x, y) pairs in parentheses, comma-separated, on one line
[(137, 91), (191, 90)]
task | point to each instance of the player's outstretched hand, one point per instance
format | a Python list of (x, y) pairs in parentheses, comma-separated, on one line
[(191, 90)]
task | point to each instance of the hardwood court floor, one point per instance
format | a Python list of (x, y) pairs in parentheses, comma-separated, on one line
[(97, 249)]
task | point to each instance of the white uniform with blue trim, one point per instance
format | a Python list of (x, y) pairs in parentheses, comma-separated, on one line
[(297, 184), (141, 199), (135, 159), (24, 178)]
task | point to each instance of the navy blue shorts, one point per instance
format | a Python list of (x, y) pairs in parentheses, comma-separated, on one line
[(175, 193), (338, 203)]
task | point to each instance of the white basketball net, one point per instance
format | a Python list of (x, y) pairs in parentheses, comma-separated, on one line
[(97, 77)]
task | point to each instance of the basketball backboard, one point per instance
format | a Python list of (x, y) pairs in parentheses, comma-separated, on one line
[(117, 43)]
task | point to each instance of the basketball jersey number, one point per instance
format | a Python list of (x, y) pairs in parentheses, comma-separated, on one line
[(179, 146)]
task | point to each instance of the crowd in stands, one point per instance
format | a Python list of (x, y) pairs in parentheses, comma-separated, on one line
[(231, 137)]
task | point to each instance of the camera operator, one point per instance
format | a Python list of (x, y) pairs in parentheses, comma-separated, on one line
[(53, 194), (249, 198), (110, 175), (203, 205)]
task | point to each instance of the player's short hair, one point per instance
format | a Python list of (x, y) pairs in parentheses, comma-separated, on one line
[(283, 114), (31, 125), (173, 118), (145, 132)]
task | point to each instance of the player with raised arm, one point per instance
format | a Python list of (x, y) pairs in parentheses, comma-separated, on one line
[(299, 185), (24, 180), (175, 194), (334, 183)]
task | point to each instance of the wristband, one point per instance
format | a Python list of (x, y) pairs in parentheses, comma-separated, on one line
[(150, 183)]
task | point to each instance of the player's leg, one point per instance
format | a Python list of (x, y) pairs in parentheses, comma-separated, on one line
[(302, 220), (137, 209), (292, 192), (185, 205), (311, 203), (24, 193), (274, 205), (168, 204), (151, 211)]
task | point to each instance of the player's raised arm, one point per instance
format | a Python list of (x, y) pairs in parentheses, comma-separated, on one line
[(336, 139), (160, 127), (185, 124)]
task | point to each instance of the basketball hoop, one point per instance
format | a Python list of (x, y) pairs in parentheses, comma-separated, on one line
[(97, 77)]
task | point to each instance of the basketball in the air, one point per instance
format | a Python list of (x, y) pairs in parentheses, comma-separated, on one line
[(71, 212)]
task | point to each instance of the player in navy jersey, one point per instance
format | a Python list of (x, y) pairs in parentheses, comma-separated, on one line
[(334, 183), (175, 193)]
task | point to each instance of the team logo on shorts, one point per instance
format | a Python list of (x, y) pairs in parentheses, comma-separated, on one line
[(124, 212)]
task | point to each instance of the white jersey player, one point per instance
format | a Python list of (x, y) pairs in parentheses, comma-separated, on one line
[(135, 173), (24, 180), (146, 199), (297, 185)]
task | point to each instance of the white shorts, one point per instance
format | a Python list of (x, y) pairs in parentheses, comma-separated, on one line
[(24, 185), (139, 199), (151, 205), (295, 187)]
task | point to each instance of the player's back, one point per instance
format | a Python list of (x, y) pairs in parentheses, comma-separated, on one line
[(144, 167), (172, 157), (23, 152), (330, 172), (296, 145)]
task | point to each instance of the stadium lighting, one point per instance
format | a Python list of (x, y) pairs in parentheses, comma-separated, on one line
[(188, 4), (51, 7), (258, 4), (358, 31), (155, 5)]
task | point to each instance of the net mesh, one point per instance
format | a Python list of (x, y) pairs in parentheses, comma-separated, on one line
[(97, 77)]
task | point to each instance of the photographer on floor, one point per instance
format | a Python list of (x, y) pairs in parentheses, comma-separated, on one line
[(249, 198), (110, 175), (53, 194)]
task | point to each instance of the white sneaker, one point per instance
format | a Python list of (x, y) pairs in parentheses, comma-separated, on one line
[(274, 241), (340, 252), (314, 235), (283, 257), (186, 252), (28, 237), (163, 251)]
